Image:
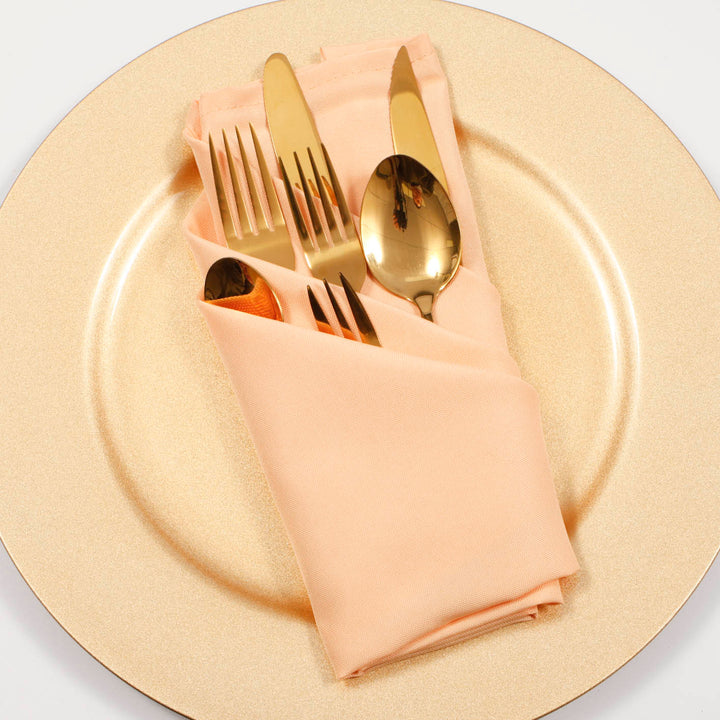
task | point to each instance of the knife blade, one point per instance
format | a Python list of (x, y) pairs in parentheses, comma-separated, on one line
[(292, 127), (411, 131)]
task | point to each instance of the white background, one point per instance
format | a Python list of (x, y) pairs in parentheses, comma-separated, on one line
[(53, 53)]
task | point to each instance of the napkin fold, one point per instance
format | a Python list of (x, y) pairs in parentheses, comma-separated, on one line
[(412, 479)]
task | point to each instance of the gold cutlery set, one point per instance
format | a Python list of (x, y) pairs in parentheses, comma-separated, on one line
[(409, 236)]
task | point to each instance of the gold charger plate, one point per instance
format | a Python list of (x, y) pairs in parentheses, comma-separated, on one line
[(131, 499)]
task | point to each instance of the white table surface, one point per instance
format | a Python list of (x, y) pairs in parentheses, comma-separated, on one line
[(54, 53)]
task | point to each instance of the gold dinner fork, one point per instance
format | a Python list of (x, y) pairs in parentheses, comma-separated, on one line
[(365, 330), (269, 239), (343, 254)]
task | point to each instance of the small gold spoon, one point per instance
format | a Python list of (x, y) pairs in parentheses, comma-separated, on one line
[(234, 284), (409, 231)]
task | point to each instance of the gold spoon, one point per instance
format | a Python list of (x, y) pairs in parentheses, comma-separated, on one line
[(234, 284), (409, 232)]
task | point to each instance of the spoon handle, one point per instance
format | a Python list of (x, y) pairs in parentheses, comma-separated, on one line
[(425, 304)]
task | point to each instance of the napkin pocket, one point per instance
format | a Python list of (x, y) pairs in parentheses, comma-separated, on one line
[(412, 479)]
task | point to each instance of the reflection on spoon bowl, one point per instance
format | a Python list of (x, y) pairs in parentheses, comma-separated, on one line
[(233, 284), (409, 231)]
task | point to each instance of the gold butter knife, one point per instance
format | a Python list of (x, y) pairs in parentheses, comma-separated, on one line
[(411, 131), (291, 123)]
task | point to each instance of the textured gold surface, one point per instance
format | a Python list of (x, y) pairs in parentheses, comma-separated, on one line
[(131, 499)]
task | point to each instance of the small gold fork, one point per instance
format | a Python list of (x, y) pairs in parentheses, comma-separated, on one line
[(270, 240), (365, 330), (344, 253)]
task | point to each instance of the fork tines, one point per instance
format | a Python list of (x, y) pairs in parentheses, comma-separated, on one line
[(341, 252), (365, 330), (269, 239)]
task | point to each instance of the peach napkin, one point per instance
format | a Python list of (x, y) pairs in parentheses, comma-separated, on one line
[(412, 479)]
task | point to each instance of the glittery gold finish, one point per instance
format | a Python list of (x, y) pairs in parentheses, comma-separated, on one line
[(131, 499)]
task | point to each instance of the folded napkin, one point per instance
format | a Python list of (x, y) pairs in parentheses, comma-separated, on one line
[(412, 479)]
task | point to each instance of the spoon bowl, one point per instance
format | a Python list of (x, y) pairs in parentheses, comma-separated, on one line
[(409, 231), (234, 284)]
